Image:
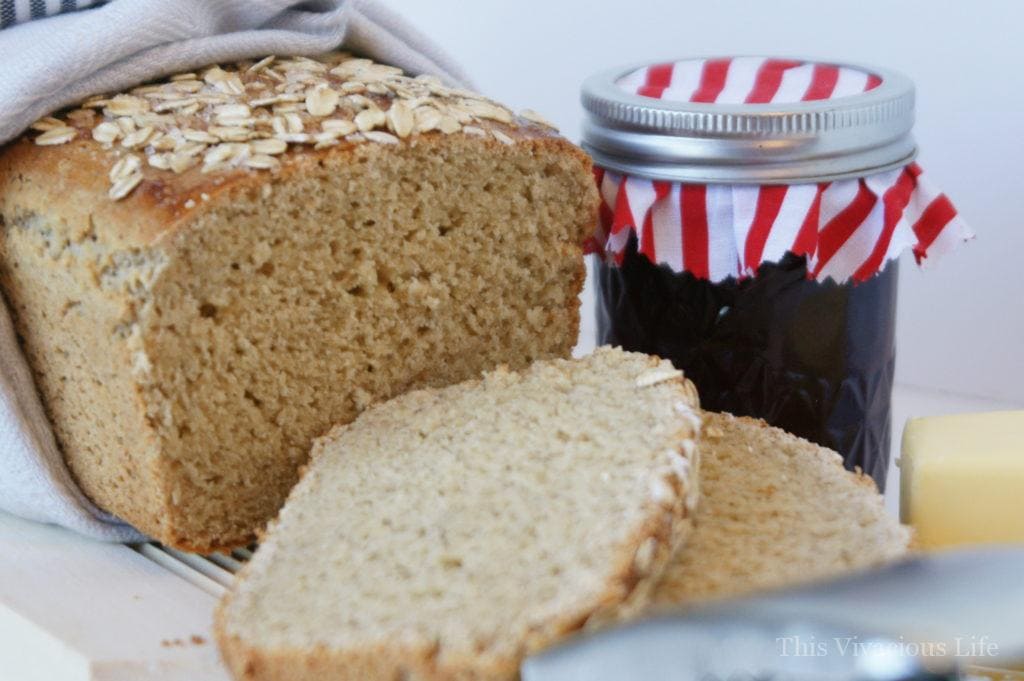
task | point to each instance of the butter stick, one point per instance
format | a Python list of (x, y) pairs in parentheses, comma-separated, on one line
[(962, 478)]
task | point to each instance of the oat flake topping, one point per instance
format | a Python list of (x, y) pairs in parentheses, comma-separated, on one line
[(246, 114)]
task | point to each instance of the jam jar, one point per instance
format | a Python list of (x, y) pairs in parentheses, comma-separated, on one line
[(753, 210)]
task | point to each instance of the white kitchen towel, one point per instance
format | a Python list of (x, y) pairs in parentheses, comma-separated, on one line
[(53, 61)]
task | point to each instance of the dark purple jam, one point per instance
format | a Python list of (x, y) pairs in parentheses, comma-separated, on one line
[(815, 358)]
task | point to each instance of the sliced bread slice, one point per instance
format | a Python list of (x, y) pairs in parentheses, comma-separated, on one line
[(448, 533), (775, 510)]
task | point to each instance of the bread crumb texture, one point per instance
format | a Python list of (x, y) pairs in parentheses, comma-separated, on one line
[(448, 533), (775, 510), (190, 340)]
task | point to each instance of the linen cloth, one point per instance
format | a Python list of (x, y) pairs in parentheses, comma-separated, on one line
[(54, 61)]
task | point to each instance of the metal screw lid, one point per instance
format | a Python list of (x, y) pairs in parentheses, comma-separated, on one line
[(749, 120)]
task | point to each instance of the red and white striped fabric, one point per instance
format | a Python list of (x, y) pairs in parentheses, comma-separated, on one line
[(848, 229), (747, 80)]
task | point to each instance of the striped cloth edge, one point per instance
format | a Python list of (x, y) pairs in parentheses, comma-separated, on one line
[(847, 229), (18, 11)]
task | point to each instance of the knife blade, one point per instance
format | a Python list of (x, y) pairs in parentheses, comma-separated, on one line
[(921, 618)]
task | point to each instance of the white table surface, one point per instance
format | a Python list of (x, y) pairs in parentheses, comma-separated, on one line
[(73, 609)]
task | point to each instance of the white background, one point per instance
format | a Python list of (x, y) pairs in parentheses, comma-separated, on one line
[(961, 323)]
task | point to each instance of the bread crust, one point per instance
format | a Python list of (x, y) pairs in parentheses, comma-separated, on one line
[(70, 181)]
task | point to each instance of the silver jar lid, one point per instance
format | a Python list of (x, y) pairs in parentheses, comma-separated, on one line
[(749, 120)]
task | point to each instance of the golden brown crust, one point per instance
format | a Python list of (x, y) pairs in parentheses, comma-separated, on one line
[(243, 121), (72, 178)]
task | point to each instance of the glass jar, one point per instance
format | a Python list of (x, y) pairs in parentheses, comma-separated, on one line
[(752, 213)]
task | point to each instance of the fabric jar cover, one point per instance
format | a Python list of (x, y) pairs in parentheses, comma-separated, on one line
[(847, 227)]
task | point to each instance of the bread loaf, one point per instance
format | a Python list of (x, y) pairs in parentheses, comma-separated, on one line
[(775, 510), (208, 272), (447, 533)]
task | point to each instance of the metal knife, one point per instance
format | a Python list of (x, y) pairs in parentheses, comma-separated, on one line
[(924, 618)]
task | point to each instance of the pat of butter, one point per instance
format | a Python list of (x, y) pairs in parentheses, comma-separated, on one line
[(962, 478)]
